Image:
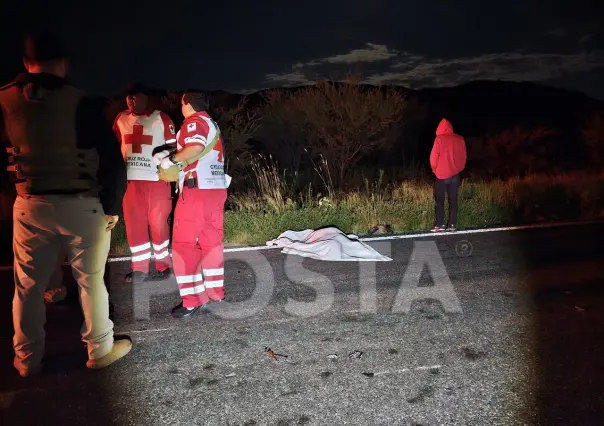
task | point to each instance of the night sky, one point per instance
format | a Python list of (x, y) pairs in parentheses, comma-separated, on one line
[(242, 46)]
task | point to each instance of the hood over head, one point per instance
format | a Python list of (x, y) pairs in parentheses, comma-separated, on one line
[(444, 128)]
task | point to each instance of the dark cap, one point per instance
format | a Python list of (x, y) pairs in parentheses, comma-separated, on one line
[(43, 46), (197, 99)]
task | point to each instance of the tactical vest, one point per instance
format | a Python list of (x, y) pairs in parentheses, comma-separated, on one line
[(44, 157)]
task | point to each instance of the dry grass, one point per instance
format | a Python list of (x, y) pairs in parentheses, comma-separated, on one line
[(273, 204)]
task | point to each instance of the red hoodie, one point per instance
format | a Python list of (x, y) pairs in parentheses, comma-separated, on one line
[(448, 156)]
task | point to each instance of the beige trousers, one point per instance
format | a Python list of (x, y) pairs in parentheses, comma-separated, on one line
[(43, 227), (56, 290)]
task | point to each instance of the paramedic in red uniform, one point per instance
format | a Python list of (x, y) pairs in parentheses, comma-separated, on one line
[(197, 241), (147, 203)]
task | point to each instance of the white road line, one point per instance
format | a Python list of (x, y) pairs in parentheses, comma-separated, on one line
[(394, 237), (416, 235), (482, 230), (155, 330)]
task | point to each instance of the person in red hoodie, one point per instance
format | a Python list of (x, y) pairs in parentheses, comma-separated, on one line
[(447, 159)]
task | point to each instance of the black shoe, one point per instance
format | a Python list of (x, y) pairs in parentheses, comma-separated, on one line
[(179, 311), (137, 276), (163, 275)]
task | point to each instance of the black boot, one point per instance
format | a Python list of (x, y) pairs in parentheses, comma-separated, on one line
[(163, 275), (179, 311)]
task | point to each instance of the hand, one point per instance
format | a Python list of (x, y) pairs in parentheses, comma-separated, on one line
[(157, 158), (111, 222), (166, 163)]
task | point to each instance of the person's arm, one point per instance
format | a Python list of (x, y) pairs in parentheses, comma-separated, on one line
[(195, 136), (94, 131), (169, 134), (4, 142), (435, 154), (116, 129), (463, 154), (169, 129), (188, 153)]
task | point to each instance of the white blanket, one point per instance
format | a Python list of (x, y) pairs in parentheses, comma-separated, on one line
[(326, 244)]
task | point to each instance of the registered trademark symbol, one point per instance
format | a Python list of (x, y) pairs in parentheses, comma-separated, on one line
[(464, 248)]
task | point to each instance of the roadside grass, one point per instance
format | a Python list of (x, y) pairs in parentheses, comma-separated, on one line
[(275, 205)]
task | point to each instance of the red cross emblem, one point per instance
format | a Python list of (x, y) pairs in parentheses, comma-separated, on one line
[(137, 139)]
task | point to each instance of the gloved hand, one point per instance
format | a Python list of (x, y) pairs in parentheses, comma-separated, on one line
[(157, 158), (166, 163)]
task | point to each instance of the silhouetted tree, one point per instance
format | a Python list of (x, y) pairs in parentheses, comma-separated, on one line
[(282, 131), (238, 125), (342, 122), (593, 137), (515, 151)]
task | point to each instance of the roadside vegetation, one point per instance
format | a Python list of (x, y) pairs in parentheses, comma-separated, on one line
[(323, 155), (275, 204)]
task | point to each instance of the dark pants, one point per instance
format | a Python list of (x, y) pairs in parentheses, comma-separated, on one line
[(450, 187)]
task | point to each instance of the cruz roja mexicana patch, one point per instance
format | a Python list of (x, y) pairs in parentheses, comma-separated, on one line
[(139, 162)]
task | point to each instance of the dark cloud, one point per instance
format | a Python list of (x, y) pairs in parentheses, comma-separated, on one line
[(417, 71), (241, 46)]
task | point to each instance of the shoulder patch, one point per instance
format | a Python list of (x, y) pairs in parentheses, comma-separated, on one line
[(172, 130), (191, 126)]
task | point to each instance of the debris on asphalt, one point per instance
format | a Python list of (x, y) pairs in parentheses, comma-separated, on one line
[(472, 353), (272, 354), (369, 374), (229, 375), (355, 355), (332, 357), (325, 374), (381, 229)]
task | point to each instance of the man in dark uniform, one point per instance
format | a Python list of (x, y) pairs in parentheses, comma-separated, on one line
[(69, 179)]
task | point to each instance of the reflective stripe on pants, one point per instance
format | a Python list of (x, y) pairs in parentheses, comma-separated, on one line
[(197, 246)]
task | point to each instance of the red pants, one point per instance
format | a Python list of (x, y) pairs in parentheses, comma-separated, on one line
[(197, 247), (147, 205)]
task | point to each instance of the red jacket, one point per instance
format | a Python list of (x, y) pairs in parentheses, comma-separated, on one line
[(448, 156)]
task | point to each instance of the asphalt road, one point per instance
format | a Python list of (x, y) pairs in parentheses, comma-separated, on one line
[(523, 348)]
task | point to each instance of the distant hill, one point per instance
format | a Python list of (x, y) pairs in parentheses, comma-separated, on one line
[(485, 107), (478, 107), (496, 96), (490, 106)]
